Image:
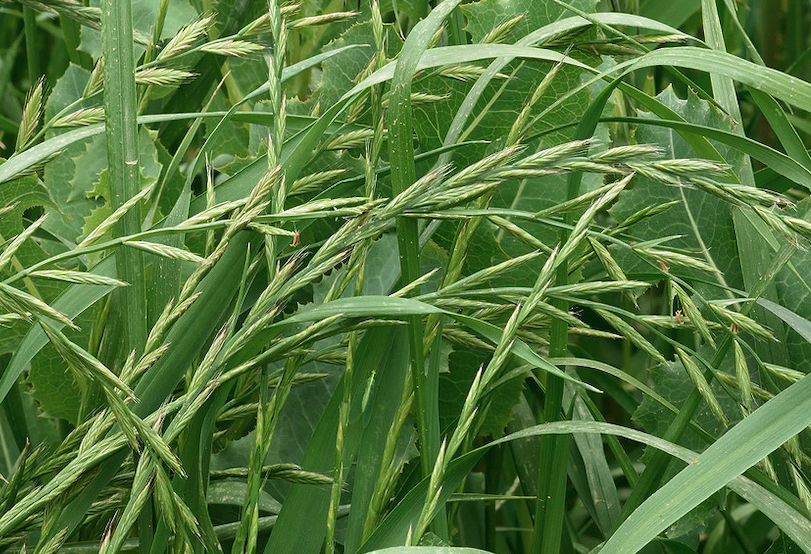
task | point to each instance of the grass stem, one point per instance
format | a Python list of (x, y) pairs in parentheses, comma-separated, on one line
[(121, 110)]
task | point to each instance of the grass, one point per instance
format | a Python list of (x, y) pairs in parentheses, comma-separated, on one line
[(433, 277)]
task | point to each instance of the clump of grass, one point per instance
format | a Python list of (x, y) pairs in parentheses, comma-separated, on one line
[(341, 264)]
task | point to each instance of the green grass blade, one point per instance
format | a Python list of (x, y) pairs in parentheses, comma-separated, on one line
[(799, 324), (395, 527), (787, 88), (601, 490), (308, 503), (782, 127), (377, 423), (740, 448)]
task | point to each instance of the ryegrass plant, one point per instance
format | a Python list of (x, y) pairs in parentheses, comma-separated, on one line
[(352, 277)]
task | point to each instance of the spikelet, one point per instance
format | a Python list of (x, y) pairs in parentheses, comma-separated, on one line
[(519, 233), (742, 322), (80, 277), (213, 212), (83, 362), (80, 118), (802, 487), (26, 305), (702, 385), (73, 9), (501, 31), (437, 36), (53, 543), (168, 316), (624, 328), (488, 273), (416, 283), (165, 251), (519, 126), (321, 19), (421, 98), (8, 253), (589, 288), (625, 152), (233, 48), (555, 153), (283, 472), (262, 23), (799, 226), (662, 39), (466, 73), (352, 139), (114, 217), (314, 181), (162, 77), (687, 167), (693, 313), (790, 375), (648, 211), (6, 320), (184, 38), (32, 112), (5, 210), (459, 195), (668, 257), (96, 81), (742, 377), (476, 171)]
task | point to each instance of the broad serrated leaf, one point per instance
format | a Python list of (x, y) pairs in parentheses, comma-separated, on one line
[(454, 385)]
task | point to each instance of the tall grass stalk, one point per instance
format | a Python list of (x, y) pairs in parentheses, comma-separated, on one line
[(122, 158)]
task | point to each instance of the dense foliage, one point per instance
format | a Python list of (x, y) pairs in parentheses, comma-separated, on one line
[(504, 275)]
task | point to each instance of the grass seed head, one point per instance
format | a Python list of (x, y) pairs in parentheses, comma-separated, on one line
[(32, 113), (702, 385), (466, 73), (232, 48), (556, 153), (636, 338), (81, 117), (626, 152), (693, 313), (27, 305), (500, 32), (163, 77), (668, 257), (321, 19), (165, 251), (8, 253), (741, 322), (185, 38), (96, 81), (790, 375)]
